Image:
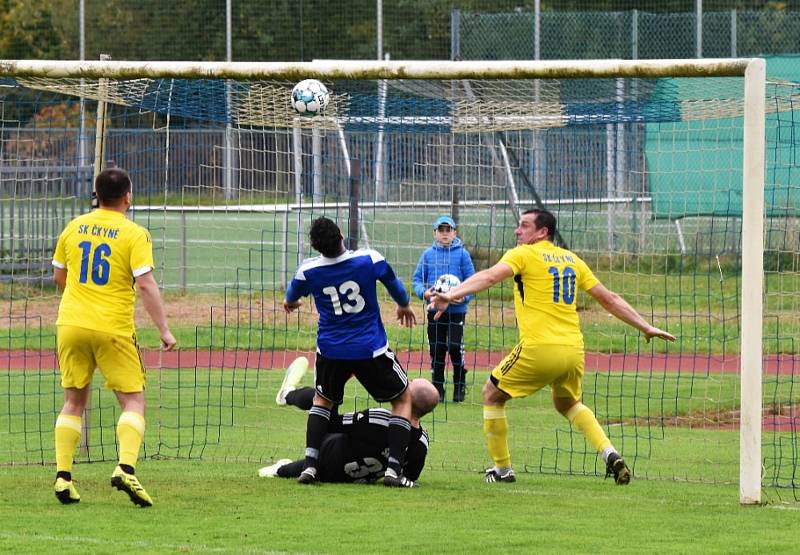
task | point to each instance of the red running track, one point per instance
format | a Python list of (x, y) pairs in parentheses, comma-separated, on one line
[(419, 360), (788, 420)]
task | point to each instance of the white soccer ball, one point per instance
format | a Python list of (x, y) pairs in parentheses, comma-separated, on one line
[(309, 97), (445, 283)]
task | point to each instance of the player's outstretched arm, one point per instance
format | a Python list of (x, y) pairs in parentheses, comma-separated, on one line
[(620, 308), (477, 282), (148, 291)]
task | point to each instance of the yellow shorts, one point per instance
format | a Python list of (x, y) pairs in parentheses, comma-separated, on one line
[(529, 368), (81, 350)]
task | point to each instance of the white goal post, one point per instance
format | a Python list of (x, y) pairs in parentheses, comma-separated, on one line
[(753, 70)]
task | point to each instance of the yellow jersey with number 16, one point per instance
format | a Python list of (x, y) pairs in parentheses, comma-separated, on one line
[(546, 283), (102, 251)]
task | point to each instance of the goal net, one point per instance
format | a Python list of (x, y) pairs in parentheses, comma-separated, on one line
[(643, 164)]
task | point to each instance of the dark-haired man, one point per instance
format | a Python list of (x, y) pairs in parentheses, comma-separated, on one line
[(351, 340), (102, 260), (355, 448), (550, 348)]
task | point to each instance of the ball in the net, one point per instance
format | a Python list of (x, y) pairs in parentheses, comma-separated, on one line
[(310, 97)]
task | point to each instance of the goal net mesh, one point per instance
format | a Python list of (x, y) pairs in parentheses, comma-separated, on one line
[(644, 176)]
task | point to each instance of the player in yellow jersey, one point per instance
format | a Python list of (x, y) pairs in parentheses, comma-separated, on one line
[(550, 348), (101, 261)]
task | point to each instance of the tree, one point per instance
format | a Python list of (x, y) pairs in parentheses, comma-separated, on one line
[(37, 29)]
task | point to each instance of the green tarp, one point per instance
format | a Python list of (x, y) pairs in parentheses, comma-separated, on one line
[(695, 165)]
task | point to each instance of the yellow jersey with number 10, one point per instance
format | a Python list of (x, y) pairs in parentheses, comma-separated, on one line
[(546, 283), (102, 251)]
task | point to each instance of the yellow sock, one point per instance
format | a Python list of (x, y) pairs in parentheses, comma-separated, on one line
[(130, 431), (68, 434), (495, 427), (583, 419)]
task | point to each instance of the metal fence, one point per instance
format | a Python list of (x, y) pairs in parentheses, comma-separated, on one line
[(270, 30), (551, 35), (265, 164)]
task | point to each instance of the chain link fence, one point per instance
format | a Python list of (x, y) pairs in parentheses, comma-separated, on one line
[(629, 35), (270, 30)]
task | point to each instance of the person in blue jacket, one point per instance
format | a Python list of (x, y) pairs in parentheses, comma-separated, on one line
[(447, 255)]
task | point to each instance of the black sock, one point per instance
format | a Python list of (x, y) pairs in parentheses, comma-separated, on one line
[(316, 428), (64, 474), (127, 469), (302, 398), (399, 433), (291, 470)]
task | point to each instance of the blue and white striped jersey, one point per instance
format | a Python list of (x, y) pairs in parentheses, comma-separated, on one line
[(344, 291)]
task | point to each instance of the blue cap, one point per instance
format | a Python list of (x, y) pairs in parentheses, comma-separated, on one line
[(444, 220)]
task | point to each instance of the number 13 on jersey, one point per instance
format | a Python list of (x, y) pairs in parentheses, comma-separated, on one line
[(352, 303)]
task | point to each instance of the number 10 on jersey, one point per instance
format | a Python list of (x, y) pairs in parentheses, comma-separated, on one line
[(563, 284)]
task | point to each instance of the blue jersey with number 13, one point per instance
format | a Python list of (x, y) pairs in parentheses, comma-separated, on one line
[(344, 291)]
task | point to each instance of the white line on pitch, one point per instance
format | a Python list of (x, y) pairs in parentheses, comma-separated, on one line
[(221, 243)]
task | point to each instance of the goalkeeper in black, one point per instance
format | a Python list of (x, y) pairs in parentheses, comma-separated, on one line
[(356, 447)]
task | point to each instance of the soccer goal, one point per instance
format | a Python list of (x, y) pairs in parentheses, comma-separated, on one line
[(676, 180)]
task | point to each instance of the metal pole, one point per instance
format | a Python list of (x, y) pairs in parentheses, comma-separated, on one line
[(284, 252), (492, 228), (380, 193), (100, 128), (635, 128), (538, 157), (455, 34), (379, 26), (297, 145), (610, 182), (537, 29), (82, 56), (316, 156), (355, 193), (228, 31), (619, 150), (297, 150), (82, 30), (734, 22), (228, 163), (183, 252), (699, 28)]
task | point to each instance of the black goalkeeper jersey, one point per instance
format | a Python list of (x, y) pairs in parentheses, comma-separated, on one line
[(356, 448)]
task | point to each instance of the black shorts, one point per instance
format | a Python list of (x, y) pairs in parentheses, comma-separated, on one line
[(382, 377)]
